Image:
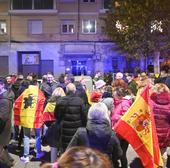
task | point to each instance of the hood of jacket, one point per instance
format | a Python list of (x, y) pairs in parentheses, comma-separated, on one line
[(99, 132)]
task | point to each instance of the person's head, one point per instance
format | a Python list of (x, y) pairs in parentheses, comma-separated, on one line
[(29, 77), (69, 78), (44, 78), (95, 96), (159, 88), (119, 75), (99, 111), (129, 77), (58, 92), (8, 79), (108, 91), (50, 78), (143, 76), (20, 77), (81, 157), (71, 88), (119, 92), (100, 84)]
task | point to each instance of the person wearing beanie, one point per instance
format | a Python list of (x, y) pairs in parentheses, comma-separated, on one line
[(95, 97)]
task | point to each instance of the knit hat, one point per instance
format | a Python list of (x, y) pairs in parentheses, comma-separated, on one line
[(95, 96), (100, 83)]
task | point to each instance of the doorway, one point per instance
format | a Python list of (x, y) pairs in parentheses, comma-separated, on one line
[(78, 67)]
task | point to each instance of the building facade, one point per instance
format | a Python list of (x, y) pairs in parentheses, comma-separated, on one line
[(57, 36)]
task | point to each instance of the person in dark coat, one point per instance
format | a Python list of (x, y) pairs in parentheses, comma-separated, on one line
[(70, 114), (6, 104), (98, 133), (48, 86)]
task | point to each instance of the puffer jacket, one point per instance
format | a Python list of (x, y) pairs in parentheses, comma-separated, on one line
[(121, 106), (98, 135), (161, 110), (71, 114)]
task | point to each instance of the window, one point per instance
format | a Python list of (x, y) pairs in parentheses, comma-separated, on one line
[(35, 26), (3, 27), (67, 27), (22, 4), (89, 26), (43, 4), (32, 4), (88, 0)]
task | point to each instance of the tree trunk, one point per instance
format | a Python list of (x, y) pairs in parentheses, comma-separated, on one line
[(156, 62)]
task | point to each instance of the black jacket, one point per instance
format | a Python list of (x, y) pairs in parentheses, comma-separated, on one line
[(98, 135), (70, 114)]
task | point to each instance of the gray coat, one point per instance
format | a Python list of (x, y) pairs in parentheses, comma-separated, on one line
[(6, 104)]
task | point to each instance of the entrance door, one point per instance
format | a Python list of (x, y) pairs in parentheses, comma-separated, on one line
[(78, 67)]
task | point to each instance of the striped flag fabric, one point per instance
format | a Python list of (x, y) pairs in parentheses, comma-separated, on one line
[(137, 126), (48, 114), (28, 108)]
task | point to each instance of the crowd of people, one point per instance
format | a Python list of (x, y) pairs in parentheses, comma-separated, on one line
[(77, 125)]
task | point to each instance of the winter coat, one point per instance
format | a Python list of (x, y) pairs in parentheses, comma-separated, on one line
[(70, 114), (48, 89), (121, 106), (98, 135), (161, 110), (6, 104)]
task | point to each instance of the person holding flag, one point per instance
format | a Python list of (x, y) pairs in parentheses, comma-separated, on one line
[(28, 113), (122, 102), (137, 126)]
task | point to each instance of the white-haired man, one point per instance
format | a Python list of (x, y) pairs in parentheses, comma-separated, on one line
[(98, 133)]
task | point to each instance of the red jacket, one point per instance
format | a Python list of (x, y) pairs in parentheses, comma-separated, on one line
[(161, 110)]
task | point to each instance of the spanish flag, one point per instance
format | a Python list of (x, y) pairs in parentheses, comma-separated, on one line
[(28, 108), (137, 126), (48, 114)]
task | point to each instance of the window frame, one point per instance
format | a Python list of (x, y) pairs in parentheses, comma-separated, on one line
[(89, 21), (68, 23), (30, 27), (3, 22)]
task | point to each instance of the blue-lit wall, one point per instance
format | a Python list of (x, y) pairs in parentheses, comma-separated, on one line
[(98, 56)]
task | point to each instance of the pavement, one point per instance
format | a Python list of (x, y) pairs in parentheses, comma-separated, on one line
[(16, 153)]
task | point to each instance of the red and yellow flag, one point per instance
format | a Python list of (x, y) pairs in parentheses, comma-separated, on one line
[(28, 108), (48, 114), (137, 126)]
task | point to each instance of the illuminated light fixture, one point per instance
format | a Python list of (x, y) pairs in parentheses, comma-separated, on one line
[(72, 30), (88, 26), (156, 26)]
